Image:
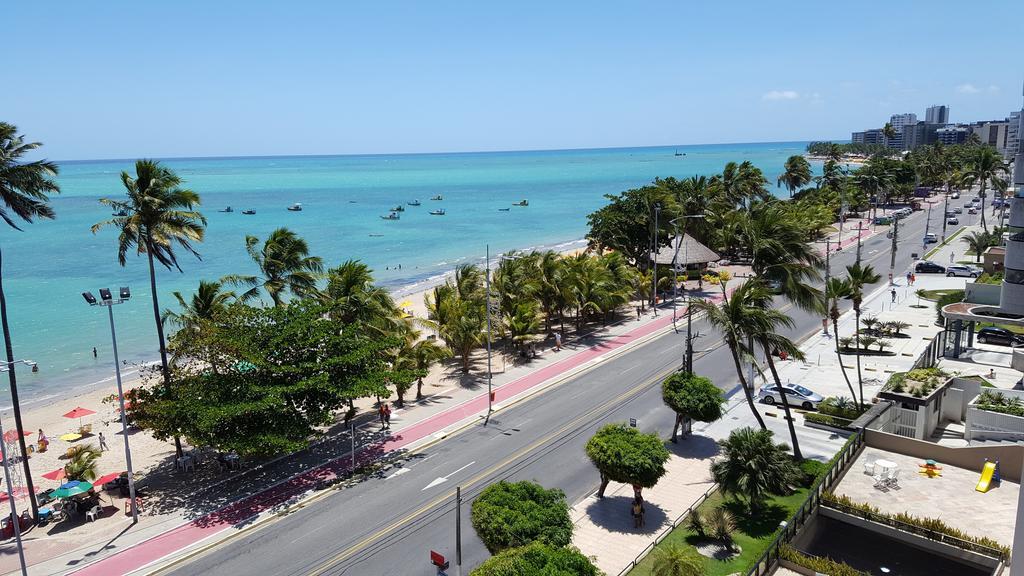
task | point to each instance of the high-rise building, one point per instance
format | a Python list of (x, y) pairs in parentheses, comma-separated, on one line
[(994, 133), (1012, 296), (898, 121), (873, 136), (938, 114), (1013, 133), (950, 135), (919, 134)]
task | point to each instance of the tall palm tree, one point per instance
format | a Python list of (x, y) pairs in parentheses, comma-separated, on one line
[(354, 298), (285, 266), (551, 269), (983, 166), (978, 242), (159, 216), (797, 174), (859, 277), (835, 289), (888, 132), (208, 301), (741, 183), (24, 194), (731, 318), (780, 253)]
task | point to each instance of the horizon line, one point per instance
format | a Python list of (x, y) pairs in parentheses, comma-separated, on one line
[(440, 153)]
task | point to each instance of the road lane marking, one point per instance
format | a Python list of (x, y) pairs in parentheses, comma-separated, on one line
[(442, 479)]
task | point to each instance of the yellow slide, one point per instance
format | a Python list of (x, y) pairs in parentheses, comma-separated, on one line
[(986, 476)]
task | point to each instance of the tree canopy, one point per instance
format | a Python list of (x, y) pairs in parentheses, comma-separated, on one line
[(692, 397), (537, 559), (752, 466), (624, 454), (512, 514)]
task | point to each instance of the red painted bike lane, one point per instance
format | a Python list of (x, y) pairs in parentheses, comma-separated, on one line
[(192, 532)]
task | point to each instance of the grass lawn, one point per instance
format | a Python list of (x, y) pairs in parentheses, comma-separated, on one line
[(753, 535), (936, 294)]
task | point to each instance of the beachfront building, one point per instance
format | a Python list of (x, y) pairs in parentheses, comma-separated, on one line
[(994, 133), (919, 134), (690, 257), (950, 135), (873, 136), (898, 121), (938, 114), (1013, 134)]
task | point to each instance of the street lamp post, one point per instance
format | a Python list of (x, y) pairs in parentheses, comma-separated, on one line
[(688, 353), (107, 300), (654, 259), (487, 289), (15, 520)]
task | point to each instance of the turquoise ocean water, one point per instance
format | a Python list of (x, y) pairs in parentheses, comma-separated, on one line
[(47, 266)]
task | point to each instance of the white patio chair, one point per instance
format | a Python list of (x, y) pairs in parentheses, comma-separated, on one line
[(894, 480), (869, 468), (882, 478), (92, 514)]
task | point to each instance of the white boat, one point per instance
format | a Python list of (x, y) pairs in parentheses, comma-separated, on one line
[(414, 203), (391, 216), (438, 197), (398, 208), (295, 207), (522, 203), (438, 212)]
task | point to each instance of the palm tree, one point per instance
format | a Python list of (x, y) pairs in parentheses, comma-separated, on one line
[(797, 174), (741, 183), (24, 194), (285, 266), (208, 301), (753, 466), (859, 277), (159, 215), (730, 318), (983, 166), (422, 355), (354, 299), (779, 253), (677, 560), (835, 289), (458, 311), (978, 242), (83, 463), (550, 269), (888, 132)]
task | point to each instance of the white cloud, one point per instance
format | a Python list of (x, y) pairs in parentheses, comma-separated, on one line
[(967, 89), (780, 95)]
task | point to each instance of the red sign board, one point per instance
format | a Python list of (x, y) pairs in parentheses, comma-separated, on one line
[(436, 559)]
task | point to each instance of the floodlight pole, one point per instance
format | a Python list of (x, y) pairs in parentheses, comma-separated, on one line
[(15, 520)]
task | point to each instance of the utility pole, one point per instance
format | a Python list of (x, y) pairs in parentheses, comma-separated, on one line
[(927, 227), (458, 530), (860, 227), (654, 258), (828, 270), (487, 287), (892, 251)]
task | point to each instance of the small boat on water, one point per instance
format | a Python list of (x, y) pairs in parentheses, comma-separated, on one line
[(503, 209), (398, 208), (392, 216), (295, 207), (414, 203), (248, 212), (678, 154), (522, 203), (228, 209), (438, 212), (438, 197)]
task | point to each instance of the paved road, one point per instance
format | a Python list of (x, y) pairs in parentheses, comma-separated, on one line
[(387, 525)]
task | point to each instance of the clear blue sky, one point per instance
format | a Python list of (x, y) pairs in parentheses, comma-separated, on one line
[(118, 79)]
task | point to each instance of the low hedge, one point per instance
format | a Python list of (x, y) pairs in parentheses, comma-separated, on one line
[(932, 524), (827, 420), (819, 564)]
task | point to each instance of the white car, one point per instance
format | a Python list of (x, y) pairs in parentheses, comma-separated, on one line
[(972, 210), (952, 221), (968, 271), (955, 195), (798, 396), (958, 210)]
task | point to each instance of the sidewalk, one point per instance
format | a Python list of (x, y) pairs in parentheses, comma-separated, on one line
[(413, 427)]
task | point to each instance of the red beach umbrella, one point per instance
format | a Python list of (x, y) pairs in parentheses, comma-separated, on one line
[(79, 413), (108, 478), (19, 491), (57, 475), (12, 436)]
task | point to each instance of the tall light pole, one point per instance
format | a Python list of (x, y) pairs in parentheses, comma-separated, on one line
[(654, 258), (107, 300), (15, 520), (487, 288), (688, 351)]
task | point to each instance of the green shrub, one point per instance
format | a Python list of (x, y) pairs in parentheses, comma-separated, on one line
[(696, 523), (827, 420), (812, 470), (947, 299), (511, 514), (819, 564), (537, 558), (840, 406), (999, 402)]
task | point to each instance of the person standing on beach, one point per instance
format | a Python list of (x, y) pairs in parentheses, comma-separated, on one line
[(103, 443), (94, 352)]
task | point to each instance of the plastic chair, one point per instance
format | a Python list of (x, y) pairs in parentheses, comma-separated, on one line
[(869, 468), (894, 480), (92, 514)]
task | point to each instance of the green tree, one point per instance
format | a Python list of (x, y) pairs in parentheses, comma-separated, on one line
[(797, 174), (858, 278), (419, 356), (626, 224), (159, 216), (691, 397), (978, 242), (626, 455), (677, 560), (25, 189), (752, 466), (537, 558), (512, 514), (83, 462), (285, 266), (888, 132), (984, 166), (458, 311), (355, 299), (209, 301)]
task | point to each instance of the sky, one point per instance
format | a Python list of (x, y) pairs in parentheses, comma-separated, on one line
[(120, 79)]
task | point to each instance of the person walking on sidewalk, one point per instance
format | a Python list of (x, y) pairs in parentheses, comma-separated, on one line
[(893, 292), (638, 512), (387, 416), (381, 416), (910, 280)]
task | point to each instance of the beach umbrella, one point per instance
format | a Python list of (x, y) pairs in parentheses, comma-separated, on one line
[(79, 413), (73, 488), (57, 475), (108, 478), (12, 436), (19, 492)]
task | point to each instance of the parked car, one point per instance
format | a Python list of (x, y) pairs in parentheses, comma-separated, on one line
[(797, 396), (995, 335), (955, 195), (969, 271), (972, 210), (926, 267), (930, 238), (958, 210), (883, 220), (953, 220)]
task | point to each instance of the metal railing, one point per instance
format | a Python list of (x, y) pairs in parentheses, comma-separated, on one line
[(766, 563), (672, 526), (919, 530)]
